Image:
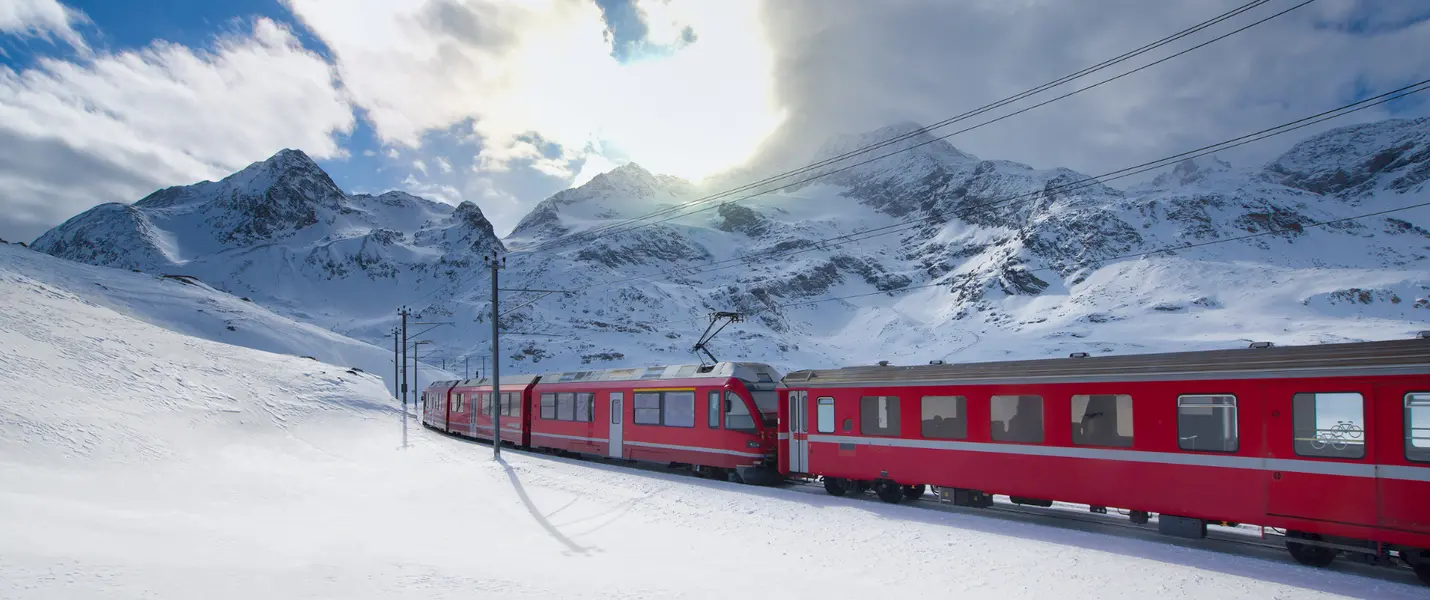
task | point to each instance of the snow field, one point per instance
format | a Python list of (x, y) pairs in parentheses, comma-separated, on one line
[(136, 462)]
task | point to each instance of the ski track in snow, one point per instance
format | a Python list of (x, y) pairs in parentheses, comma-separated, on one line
[(137, 462)]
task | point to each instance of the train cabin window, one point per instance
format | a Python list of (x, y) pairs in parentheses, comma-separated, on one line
[(484, 402), (1329, 425), (1102, 420), (879, 415), (737, 414), (1207, 423), (647, 408), (616, 408), (1016, 419), (1417, 427), (456, 403), (713, 407), (548, 406), (565, 406), (824, 422), (585, 405), (678, 409), (944, 417), (514, 402)]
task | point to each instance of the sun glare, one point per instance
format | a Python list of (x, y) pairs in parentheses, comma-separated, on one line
[(704, 108)]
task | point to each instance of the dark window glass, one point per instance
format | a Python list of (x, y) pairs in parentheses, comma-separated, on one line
[(548, 406), (647, 408), (1016, 419), (737, 414), (1329, 425), (1207, 423), (565, 406), (1102, 420), (678, 409), (585, 406), (944, 417), (879, 415), (1417, 427)]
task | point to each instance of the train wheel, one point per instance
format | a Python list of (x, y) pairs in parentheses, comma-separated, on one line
[(1306, 554), (1422, 571), (889, 491), (835, 486), (913, 492)]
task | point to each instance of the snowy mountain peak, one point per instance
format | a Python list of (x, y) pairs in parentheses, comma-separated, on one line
[(1191, 170), (1357, 160), (919, 143), (625, 191)]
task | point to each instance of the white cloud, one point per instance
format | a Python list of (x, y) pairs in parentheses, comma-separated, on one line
[(854, 66), (420, 166), (393, 154), (42, 18), (443, 165), (543, 68), (369, 153), (114, 128)]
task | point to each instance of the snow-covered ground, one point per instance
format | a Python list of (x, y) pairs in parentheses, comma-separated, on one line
[(140, 462)]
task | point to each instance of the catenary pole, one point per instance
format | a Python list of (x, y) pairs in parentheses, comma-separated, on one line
[(404, 376), (496, 263)]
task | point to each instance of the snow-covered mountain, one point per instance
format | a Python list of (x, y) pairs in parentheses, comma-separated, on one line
[(983, 259), (187, 306)]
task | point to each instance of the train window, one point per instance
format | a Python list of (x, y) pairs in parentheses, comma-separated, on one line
[(713, 407), (647, 408), (1102, 420), (678, 409), (944, 417), (484, 399), (514, 403), (1417, 427), (565, 406), (737, 414), (879, 415), (1329, 425), (1016, 419), (585, 405), (825, 419), (616, 408), (1207, 423), (548, 406), (457, 403)]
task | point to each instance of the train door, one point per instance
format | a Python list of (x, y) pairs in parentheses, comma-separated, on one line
[(616, 418), (798, 432), (1403, 488), (1319, 465)]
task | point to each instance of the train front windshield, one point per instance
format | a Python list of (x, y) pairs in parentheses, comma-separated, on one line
[(766, 401)]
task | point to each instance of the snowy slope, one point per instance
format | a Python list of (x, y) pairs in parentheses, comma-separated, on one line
[(988, 259), (191, 307), (136, 462)]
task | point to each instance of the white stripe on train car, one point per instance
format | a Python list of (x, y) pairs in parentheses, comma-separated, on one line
[(694, 449), (570, 437), (1166, 458)]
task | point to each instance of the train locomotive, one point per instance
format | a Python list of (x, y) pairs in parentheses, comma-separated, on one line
[(1330, 443)]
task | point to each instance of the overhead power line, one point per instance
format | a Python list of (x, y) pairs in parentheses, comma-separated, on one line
[(595, 234), (591, 235), (964, 212)]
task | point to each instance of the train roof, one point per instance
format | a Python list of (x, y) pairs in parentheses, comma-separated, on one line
[(748, 371), (1398, 357)]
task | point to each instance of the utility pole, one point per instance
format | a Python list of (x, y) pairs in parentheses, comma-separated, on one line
[(404, 313), (466, 367), (395, 365), (496, 264)]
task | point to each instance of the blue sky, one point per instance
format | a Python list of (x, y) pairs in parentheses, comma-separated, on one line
[(506, 103)]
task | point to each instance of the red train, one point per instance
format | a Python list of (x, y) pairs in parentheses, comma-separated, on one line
[(1330, 443), (718, 420)]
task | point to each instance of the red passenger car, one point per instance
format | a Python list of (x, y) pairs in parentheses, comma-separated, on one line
[(717, 419), (1329, 442)]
